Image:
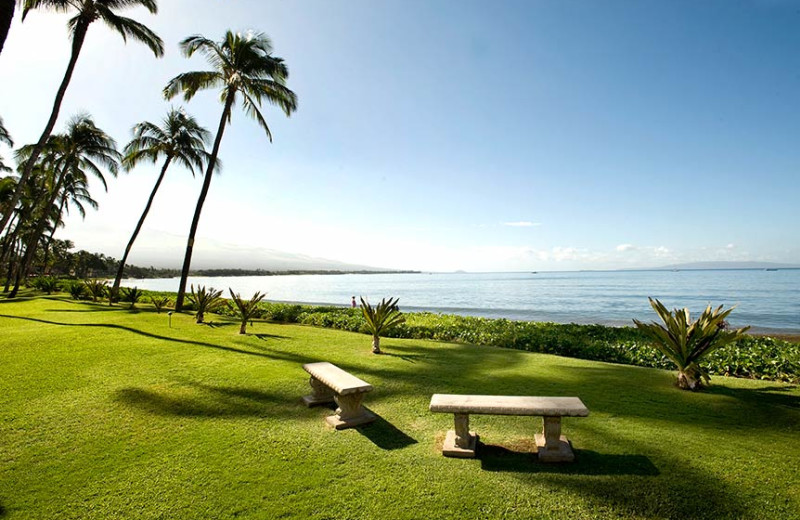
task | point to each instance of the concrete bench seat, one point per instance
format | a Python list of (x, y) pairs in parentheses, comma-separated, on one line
[(329, 384), (551, 445)]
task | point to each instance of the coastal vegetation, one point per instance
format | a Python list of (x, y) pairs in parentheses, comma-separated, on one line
[(205, 300), (129, 416), (686, 342), (245, 310), (380, 319)]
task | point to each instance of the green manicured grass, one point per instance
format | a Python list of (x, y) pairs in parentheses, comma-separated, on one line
[(109, 413)]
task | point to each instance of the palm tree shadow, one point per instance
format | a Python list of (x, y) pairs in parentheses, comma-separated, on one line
[(385, 435), (208, 401), (264, 337), (263, 352), (587, 462), (774, 395), (411, 358), (217, 324), (2, 511), (97, 309)]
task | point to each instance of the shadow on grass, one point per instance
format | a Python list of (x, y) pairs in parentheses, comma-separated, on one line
[(2, 511), (587, 462), (263, 352), (411, 358), (104, 308), (774, 395), (217, 324), (265, 337), (385, 435), (207, 401)]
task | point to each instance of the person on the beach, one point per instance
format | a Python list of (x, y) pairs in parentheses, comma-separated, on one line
[(353, 302)]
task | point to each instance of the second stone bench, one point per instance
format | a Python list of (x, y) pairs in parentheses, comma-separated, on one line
[(551, 445)]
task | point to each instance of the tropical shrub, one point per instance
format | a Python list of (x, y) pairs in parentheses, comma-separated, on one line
[(686, 342), (244, 309), (380, 319), (75, 288), (46, 284), (96, 288), (159, 302), (204, 300), (130, 295)]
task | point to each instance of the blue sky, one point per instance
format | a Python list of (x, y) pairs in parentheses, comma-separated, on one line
[(530, 135)]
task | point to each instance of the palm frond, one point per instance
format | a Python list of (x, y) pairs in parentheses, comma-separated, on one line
[(128, 27)]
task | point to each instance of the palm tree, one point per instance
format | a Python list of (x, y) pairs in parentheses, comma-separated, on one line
[(180, 138), (245, 68), (5, 138), (686, 342), (80, 149), (74, 192), (7, 8), (246, 310), (87, 12), (380, 319)]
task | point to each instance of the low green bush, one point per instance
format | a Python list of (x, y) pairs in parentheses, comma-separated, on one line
[(47, 284)]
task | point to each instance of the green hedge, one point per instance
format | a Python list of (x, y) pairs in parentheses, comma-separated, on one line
[(752, 357)]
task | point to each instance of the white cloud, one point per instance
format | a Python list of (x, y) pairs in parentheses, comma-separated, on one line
[(730, 246), (661, 251), (625, 247), (522, 223)]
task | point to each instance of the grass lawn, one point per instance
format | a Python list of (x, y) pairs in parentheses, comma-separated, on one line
[(110, 413)]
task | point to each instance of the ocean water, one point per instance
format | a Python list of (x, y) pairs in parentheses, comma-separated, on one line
[(766, 300)]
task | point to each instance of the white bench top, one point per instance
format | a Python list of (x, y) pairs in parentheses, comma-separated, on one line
[(509, 405), (337, 379)]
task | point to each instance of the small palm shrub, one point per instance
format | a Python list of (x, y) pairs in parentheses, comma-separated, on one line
[(130, 295), (380, 319), (245, 309), (46, 284), (159, 302), (96, 288), (75, 288), (686, 342), (204, 300)]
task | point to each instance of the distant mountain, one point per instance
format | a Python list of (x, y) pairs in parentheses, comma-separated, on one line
[(237, 257), (730, 265)]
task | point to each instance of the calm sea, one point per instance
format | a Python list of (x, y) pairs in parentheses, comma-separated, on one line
[(766, 300)]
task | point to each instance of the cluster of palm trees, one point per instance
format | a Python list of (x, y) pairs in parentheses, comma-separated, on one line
[(52, 174)]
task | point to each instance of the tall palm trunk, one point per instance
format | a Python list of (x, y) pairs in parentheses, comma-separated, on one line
[(187, 260), (45, 270), (77, 43), (6, 16), (30, 247), (11, 264), (121, 268)]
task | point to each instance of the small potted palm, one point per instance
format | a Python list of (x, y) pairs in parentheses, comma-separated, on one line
[(686, 342), (381, 319)]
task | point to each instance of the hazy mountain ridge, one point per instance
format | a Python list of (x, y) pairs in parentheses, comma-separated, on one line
[(729, 265)]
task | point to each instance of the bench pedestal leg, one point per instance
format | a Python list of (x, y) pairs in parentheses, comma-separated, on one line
[(320, 393), (350, 412), (552, 446), (460, 442)]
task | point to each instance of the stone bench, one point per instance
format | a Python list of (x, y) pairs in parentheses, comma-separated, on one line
[(329, 384), (551, 445)]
